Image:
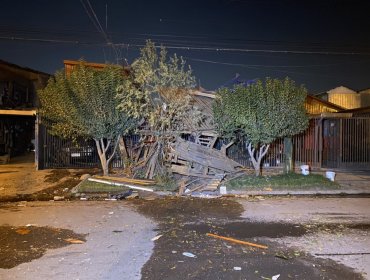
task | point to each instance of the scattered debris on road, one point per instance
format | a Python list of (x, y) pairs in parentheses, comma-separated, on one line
[(237, 241), (190, 255), (156, 237), (74, 241)]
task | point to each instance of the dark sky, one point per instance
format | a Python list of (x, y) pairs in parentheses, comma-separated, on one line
[(321, 44)]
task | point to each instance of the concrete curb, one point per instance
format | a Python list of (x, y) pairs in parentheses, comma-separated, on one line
[(302, 193)]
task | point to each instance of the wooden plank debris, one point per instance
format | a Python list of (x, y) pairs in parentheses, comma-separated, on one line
[(212, 185), (205, 156), (237, 241)]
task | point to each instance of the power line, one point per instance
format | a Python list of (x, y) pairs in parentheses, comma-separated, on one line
[(250, 50), (95, 20), (270, 66), (192, 47)]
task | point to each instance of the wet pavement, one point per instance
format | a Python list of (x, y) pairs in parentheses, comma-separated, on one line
[(300, 234), (307, 237), (185, 222)]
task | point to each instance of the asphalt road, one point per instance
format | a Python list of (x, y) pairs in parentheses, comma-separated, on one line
[(307, 238)]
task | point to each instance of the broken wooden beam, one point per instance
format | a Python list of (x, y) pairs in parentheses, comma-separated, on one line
[(237, 241), (203, 155)]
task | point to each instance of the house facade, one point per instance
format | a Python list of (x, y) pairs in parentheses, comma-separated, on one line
[(18, 103), (347, 98)]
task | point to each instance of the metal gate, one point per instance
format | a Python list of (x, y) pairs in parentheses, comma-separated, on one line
[(335, 143), (56, 152)]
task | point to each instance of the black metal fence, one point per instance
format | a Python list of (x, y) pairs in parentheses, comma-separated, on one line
[(327, 143), (56, 152)]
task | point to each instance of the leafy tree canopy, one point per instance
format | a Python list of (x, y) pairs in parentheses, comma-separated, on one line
[(83, 103), (263, 111), (158, 89)]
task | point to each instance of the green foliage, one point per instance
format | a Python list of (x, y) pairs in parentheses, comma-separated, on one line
[(83, 104), (158, 91), (165, 181), (263, 111)]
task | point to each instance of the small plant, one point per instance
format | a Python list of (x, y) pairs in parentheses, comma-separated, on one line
[(166, 181)]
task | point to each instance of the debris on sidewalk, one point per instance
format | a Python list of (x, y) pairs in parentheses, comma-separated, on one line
[(237, 268), (123, 195), (58, 198), (74, 241), (206, 195), (237, 241), (201, 187), (23, 231)]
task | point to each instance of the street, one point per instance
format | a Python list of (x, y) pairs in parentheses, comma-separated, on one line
[(307, 238)]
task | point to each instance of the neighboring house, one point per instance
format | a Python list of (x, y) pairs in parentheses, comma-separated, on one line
[(18, 103), (365, 97), (346, 97), (316, 106)]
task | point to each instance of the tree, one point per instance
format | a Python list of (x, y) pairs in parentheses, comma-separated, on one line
[(83, 104), (261, 112), (158, 91)]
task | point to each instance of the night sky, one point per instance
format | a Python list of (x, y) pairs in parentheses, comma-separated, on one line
[(321, 44)]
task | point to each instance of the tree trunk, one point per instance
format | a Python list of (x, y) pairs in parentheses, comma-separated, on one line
[(102, 148), (288, 155), (102, 156), (256, 156)]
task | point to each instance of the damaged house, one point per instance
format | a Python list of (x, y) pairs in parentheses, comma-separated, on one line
[(327, 143)]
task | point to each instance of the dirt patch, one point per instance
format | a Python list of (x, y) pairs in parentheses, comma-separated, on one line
[(56, 174), (41, 185), (24, 244), (183, 224), (60, 189)]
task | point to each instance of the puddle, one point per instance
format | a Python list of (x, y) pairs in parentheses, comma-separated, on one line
[(24, 244)]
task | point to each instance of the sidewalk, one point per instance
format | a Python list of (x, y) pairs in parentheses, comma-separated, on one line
[(20, 177)]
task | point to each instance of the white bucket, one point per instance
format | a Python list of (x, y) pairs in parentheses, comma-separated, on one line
[(305, 169), (223, 190), (330, 175)]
